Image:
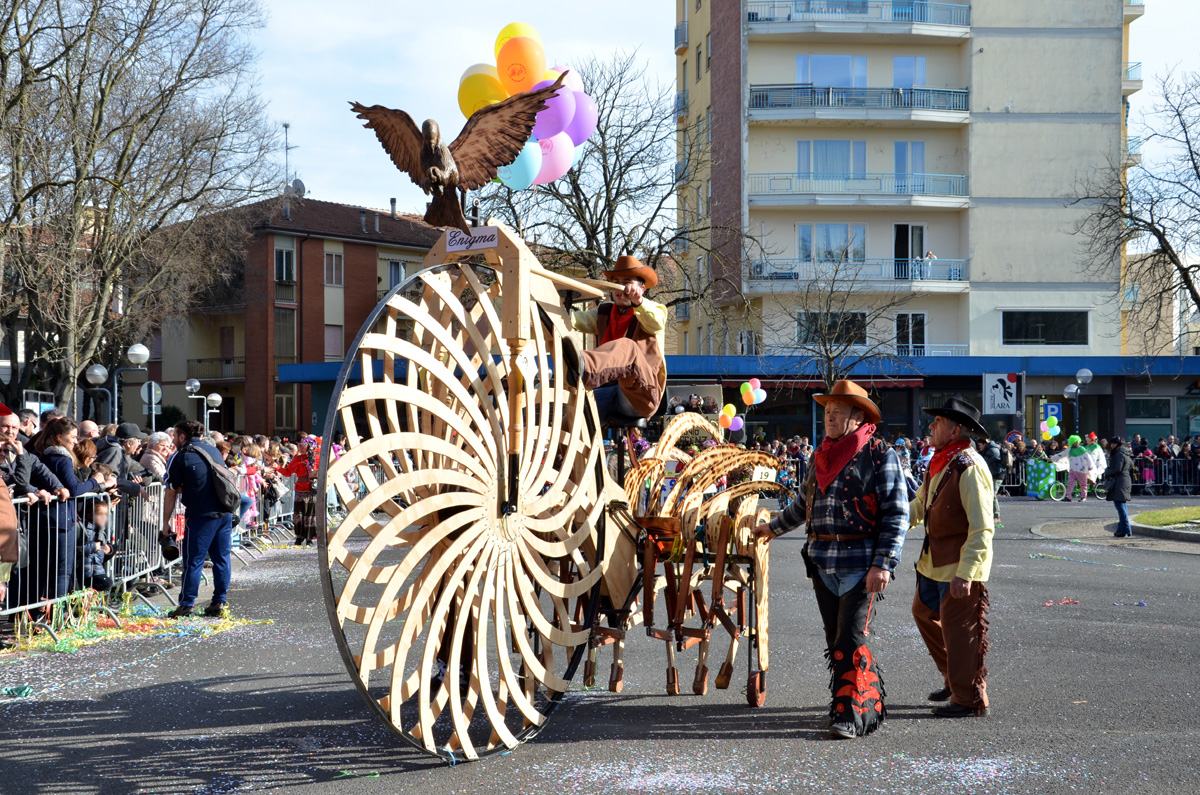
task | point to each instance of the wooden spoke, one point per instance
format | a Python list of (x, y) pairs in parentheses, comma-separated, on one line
[(462, 610)]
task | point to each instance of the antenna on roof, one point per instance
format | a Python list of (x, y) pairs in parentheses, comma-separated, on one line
[(287, 172), (298, 188)]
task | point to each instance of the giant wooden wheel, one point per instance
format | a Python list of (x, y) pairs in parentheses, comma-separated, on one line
[(463, 583)]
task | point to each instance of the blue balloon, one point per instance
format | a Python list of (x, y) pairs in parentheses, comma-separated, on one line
[(519, 175)]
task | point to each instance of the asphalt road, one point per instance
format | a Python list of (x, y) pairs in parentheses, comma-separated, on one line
[(1087, 697)]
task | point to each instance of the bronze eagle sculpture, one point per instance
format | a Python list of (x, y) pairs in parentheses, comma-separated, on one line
[(492, 138)]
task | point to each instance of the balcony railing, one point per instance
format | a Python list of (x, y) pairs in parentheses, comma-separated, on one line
[(285, 291), (1133, 146), (1134, 2), (681, 172), (903, 351), (680, 243), (681, 37), (946, 270), (898, 184), (683, 311), (681, 104), (214, 369), (1133, 71), (801, 96), (908, 11)]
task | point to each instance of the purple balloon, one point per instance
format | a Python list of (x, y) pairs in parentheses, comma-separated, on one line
[(560, 109), (736, 424), (586, 115)]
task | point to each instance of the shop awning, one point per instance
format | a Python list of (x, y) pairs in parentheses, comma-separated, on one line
[(868, 383)]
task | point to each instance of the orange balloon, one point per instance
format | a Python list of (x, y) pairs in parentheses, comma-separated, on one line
[(724, 420), (748, 398), (521, 64)]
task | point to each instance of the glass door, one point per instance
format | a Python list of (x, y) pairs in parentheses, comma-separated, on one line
[(908, 243), (910, 334)]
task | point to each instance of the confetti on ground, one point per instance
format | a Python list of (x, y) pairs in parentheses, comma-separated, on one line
[(1130, 604), (1036, 555), (1063, 601)]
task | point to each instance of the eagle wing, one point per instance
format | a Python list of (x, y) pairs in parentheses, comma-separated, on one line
[(399, 134), (494, 136)]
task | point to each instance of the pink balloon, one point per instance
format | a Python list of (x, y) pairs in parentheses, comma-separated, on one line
[(586, 116), (558, 153), (755, 383), (573, 81), (560, 109)]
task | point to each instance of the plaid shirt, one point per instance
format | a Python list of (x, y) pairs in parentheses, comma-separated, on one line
[(829, 518)]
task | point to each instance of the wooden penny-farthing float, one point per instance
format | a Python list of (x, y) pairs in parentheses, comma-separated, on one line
[(487, 544)]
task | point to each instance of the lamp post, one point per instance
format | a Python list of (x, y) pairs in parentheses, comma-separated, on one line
[(193, 386), (97, 376), (138, 354), (1075, 392), (214, 407)]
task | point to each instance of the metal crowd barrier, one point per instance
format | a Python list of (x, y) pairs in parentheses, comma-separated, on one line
[(1161, 477)]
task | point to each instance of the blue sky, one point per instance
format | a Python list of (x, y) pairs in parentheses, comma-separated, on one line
[(316, 56)]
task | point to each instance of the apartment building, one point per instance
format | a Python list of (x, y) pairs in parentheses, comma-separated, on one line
[(313, 272), (934, 147)]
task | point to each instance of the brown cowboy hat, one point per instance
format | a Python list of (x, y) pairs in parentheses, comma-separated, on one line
[(632, 266), (853, 394)]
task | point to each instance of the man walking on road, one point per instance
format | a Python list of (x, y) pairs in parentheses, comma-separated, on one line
[(209, 528), (951, 602), (856, 503)]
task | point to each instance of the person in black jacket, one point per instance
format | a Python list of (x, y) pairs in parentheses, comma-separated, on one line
[(1118, 480)]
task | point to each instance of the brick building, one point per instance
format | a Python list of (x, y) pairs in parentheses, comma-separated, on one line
[(313, 272)]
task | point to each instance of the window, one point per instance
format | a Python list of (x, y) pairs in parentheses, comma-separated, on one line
[(831, 242), (699, 130), (832, 328), (908, 71), (333, 343), (1054, 327), (841, 71), (841, 159), (285, 265), (910, 157), (708, 50), (910, 334), (685, 350), (285, 336), (699, 57), (1148, 408), (699, 204), (396, 273), (747, 343), (708, 335), (285, 407), (683, 77), (333, 269), (708, 123), (701, 276), (708, 191)]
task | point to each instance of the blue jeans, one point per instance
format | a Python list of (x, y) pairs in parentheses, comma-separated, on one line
[(1123, 528), (207, 537)]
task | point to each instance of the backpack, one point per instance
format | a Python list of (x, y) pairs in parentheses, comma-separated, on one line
[(225, 487)]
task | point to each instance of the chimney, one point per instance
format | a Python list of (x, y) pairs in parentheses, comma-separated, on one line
[(376, 223), (362, 220), (393, 209), (287, 210)]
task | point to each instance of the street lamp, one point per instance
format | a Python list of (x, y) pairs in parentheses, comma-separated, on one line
[(1075, 392), (138, 354), (97, 376), (193, 386), (214, 407)]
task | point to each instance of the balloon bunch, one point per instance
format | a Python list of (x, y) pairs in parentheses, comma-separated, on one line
[(1050, 428), (729, 420), (562, 128), (752, 392)]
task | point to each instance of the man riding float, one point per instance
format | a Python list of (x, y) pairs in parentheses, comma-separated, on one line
[(856, 503), (626, 371)]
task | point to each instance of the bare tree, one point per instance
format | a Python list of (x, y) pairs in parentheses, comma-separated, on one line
[(139, 126), (624, 195), (1153, 212), (842, 320)]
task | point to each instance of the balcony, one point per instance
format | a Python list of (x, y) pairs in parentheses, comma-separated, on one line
[(217, 369), (683, 311), (933, 275), (680, 243), (681, 38), (856, 19), (1131, 79), (914, 351), (882, 190), (285, 292), (681, 172), (681, 104), (1133, 10), (1131, 151), (884, 106)]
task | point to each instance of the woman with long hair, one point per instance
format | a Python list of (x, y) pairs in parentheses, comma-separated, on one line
[(303, 467)]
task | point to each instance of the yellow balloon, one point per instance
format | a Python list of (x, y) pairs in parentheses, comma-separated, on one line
[(551, 75), (478, 91), (512, 31), (479, 69)]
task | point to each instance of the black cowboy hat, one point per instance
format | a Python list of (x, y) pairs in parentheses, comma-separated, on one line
[(960, 411)]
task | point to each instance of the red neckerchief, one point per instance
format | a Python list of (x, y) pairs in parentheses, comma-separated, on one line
[(943, 456), (833, 454), (618, 325)]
